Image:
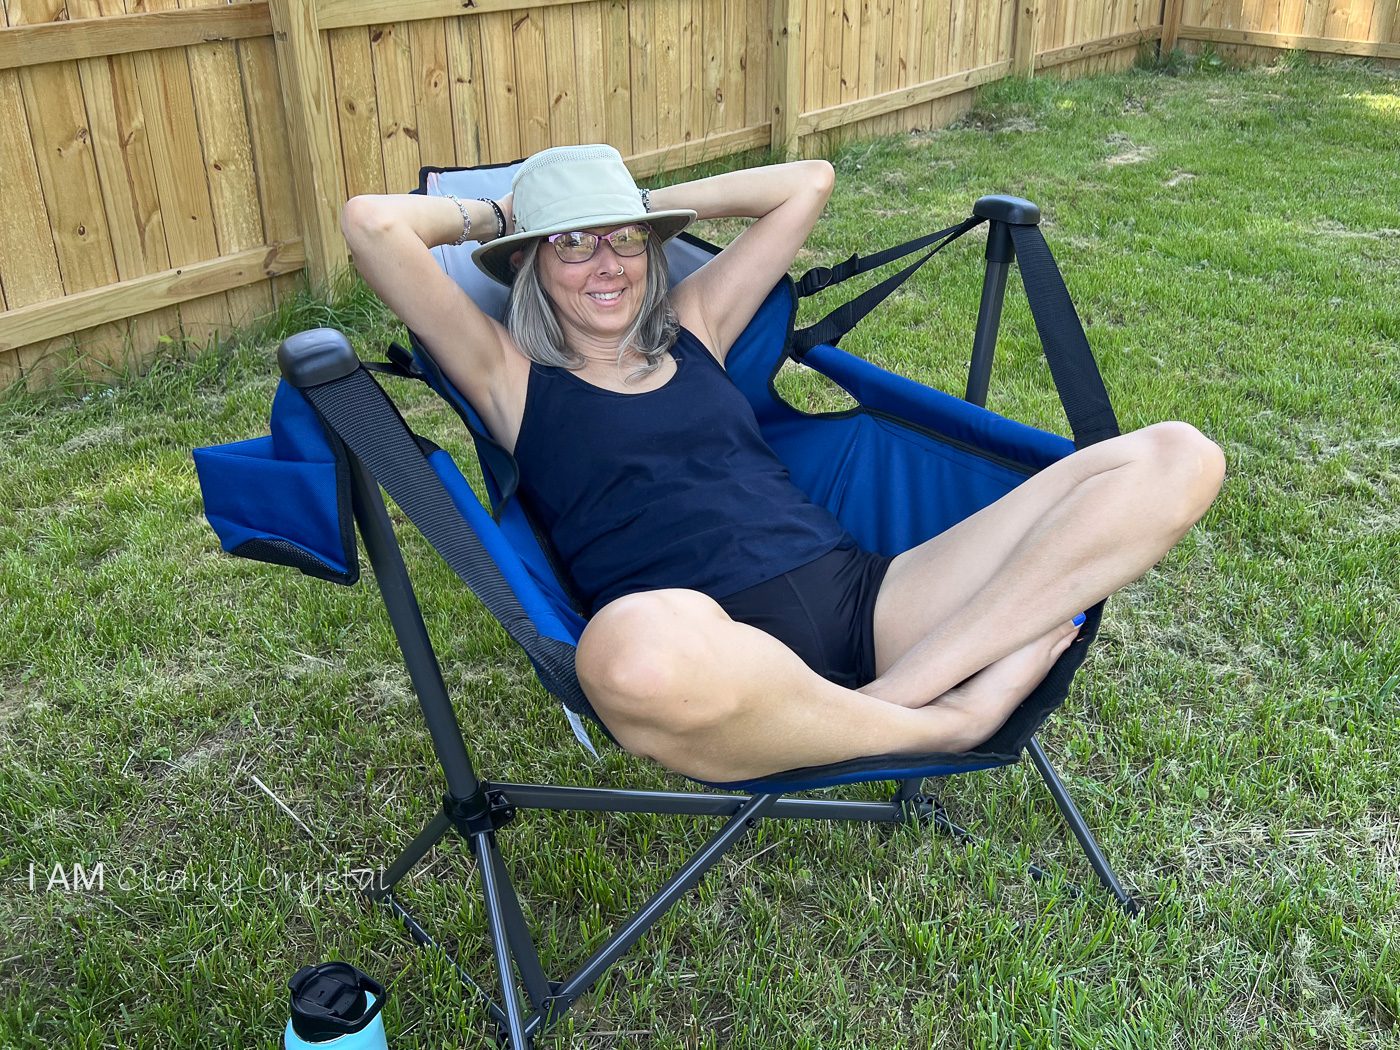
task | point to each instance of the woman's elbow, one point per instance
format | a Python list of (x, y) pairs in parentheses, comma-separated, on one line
[(361, 216)]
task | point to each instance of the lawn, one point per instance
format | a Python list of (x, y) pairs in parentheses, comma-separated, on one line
[(233, 743)]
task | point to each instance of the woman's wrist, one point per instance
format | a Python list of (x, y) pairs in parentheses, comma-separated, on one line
[(481, 219)]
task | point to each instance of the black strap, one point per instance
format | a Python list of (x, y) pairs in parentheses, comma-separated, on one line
[(399, 363), (1067, 350), (362, 416), (820, 277), (836, 324)]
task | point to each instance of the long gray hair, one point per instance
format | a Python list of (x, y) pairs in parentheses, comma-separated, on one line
[(532, 324)]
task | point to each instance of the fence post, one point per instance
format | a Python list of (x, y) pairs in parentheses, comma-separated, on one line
[(305, 93), (1171, 26), (785, 75), (1023, 39)]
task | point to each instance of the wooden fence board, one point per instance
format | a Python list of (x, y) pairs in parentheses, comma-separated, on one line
[(432, 96), (710, 41), (395, 75), (591, 74), (499, 87), (617, 58), (532, 96), (272, 158), (357, 111), (63, 150), (757, 44), (129, 196), (560, 75), (228, 163), (92, 35), (163, 78), (641, 36), (464, 73), (666, 58), (28, 262)]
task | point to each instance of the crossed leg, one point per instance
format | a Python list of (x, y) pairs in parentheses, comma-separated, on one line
[(965, 624)]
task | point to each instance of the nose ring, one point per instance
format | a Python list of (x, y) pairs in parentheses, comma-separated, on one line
[(621, 270)]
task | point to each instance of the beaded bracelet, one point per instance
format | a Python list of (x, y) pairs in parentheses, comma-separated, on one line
[(646, 198), (466, 221), (500, 215)]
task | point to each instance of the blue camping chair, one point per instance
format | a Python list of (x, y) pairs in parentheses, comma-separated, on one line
[(903, 466)]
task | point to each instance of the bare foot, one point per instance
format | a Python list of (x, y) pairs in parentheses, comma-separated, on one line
[(989, 696)]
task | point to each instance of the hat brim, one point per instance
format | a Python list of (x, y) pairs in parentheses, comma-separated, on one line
[(493, 258)]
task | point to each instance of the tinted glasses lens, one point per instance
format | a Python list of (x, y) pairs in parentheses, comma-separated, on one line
[(575, 247), (629, 240)]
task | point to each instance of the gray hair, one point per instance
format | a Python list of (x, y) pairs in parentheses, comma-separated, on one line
[(532, 324)]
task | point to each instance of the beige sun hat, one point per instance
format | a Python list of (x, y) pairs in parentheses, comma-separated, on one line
[(573, 188)]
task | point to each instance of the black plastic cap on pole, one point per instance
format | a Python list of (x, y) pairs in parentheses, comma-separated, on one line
[(998, 207), (320, 355)]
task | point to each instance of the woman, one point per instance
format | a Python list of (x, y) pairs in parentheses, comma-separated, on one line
[(737, 630)]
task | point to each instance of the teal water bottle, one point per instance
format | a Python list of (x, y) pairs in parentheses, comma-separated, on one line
[(335, 1007)]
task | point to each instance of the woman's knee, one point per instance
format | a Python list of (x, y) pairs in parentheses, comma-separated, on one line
[(1185, 466), (643, 659)]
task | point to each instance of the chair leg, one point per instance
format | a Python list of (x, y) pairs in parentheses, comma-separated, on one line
[(1081, 830)]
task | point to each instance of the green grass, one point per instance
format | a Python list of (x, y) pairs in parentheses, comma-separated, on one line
[(1232, 241)]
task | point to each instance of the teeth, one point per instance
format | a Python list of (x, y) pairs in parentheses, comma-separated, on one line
[(606, 297)]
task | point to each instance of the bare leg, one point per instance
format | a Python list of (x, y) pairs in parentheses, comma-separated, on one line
[(1068, 537), (675, 679)]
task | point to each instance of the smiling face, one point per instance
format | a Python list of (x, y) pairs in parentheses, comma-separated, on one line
[(595, 302)]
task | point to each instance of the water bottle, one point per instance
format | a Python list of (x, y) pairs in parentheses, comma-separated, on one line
[(335, 1007)]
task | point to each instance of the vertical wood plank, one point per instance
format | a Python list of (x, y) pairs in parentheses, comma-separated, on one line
[(642, 48), (178, 161), (617, 76), (560, 75), (28, 263), (687, 115), (759, 41), (1171, 25), (1024, 36), (786, 75), (591, 74), (432, 93), (464, 72), (357, 109), (668, 88), (532, 98), (498, 88), (850, 50), (228, 162), (272, 154), (128, 182), (394, 73), (711, 41), (317, 172)]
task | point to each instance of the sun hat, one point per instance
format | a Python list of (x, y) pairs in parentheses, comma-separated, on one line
[(570, 188)]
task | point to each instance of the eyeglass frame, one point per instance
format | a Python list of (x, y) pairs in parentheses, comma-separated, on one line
[(599, 238)]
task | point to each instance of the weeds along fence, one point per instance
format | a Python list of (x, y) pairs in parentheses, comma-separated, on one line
[(172, 167)]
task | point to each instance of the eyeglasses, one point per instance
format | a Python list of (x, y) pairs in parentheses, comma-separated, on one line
[(579, 246)]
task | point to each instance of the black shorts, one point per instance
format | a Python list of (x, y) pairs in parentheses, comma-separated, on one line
[(823, 611)]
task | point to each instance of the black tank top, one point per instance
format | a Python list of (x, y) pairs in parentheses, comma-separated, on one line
[(672, 487)]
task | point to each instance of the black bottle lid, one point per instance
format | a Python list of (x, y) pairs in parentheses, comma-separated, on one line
[(328, 1001)]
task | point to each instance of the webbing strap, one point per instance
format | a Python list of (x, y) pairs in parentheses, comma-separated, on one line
[(820, 277), (362, 416), (1067, 350), (836, 324)]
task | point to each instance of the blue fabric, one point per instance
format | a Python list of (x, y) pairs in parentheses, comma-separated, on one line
[(672, 487), (286, 488), (533, 583)]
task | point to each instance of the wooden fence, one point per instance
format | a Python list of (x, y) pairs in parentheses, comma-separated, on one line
[(173, 166)]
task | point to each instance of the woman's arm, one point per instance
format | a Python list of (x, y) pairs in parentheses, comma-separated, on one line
[(718, 300), (391, 236)]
